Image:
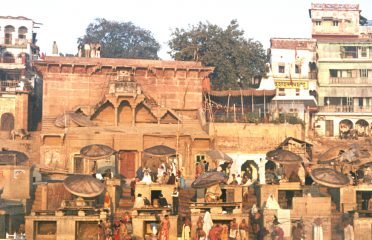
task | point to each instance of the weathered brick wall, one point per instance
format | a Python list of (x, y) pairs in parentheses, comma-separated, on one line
[(252, 138), (69, 83)]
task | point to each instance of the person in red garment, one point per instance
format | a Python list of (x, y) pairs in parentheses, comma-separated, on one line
[(278, 233), (164, 229), (215, 232)]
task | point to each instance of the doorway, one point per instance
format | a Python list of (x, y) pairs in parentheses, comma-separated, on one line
[(127, 164)]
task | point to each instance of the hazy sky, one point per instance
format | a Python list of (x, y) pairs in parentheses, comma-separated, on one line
[(65, 21)]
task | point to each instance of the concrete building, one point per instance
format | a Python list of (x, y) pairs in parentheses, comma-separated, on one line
[(294, 70), (344, 69), (17, 80)]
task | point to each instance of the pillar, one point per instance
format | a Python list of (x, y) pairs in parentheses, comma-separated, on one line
[(133, 116), (116, 115)]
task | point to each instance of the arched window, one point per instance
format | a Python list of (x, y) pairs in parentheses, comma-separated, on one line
[(8, 31), (22, 31), (7, 122), (8, 58)]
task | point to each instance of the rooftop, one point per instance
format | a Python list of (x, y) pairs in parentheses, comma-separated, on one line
[(334, 6), (122, 62), (293, 43)]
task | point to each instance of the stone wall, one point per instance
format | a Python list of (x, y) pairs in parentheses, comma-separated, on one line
[(251, 138), (16, 181), (17, 105)]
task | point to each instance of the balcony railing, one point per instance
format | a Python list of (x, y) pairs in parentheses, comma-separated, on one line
[(124, 88), (22, 42), (14, 86), (347, 108), (349, 80)]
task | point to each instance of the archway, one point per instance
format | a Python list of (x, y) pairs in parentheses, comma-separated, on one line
[(8, 58), (105, 114), (144, 115), (344, 127), (22, 31), (7, 122), (124, 113), (8, 36), (361, 126), (250, 169)]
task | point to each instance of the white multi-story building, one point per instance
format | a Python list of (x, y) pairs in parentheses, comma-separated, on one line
[(17, 79), (344, 40), (293, 65)]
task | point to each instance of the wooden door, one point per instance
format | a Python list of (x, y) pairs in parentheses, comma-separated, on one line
[(127, 164), (329, 128)]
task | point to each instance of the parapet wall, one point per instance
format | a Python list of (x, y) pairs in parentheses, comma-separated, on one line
[(250, 137)]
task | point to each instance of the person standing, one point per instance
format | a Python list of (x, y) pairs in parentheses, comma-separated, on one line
[(243, 230), (186, 230), (175, 198), (233, 230), (164, 229), (348, 231)]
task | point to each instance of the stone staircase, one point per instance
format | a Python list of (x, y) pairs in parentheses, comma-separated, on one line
[(125, 202), (185, 196), (336, 225), (37, 193)]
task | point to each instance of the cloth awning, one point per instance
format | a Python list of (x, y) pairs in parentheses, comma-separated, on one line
[(306, 100), (12, 157), (79, 119), (219, 155), (84, 186)]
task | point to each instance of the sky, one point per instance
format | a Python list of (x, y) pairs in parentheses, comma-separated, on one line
[(64, 21)]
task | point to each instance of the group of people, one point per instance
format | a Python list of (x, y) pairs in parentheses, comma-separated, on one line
[(89, 50), (165, 174), (217, 231), (119, 229)]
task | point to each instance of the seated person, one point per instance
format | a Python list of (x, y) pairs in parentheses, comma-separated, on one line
[(162, 201), (146, 202), (139, 203)]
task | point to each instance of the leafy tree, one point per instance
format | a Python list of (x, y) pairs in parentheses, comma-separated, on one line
[(121, 39), (236, 59)]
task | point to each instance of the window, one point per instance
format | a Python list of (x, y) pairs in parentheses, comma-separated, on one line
[(297, 92), (297, 68), (281, 92), (335, 23), (349, 52), (360, 102), (333, 72), (363, 73), (78, 164), (281, 69), (349, 73), (318, 23), (199, 157), (8, 34), (363, 52)]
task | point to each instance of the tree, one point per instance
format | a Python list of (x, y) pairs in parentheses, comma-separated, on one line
[(121, 39), (236, 59)]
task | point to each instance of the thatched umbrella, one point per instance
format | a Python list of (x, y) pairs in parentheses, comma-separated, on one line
[(331, 155), (208, 179), (160, 150), (329, 177), (84, 185), (284, 157), (96, 151), (11, 157)]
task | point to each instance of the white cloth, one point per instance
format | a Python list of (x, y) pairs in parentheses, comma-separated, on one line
[(317, 232), (271, 203), (139, 203), (349, 232), (254, 173), (208, 223), (146, 179)]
